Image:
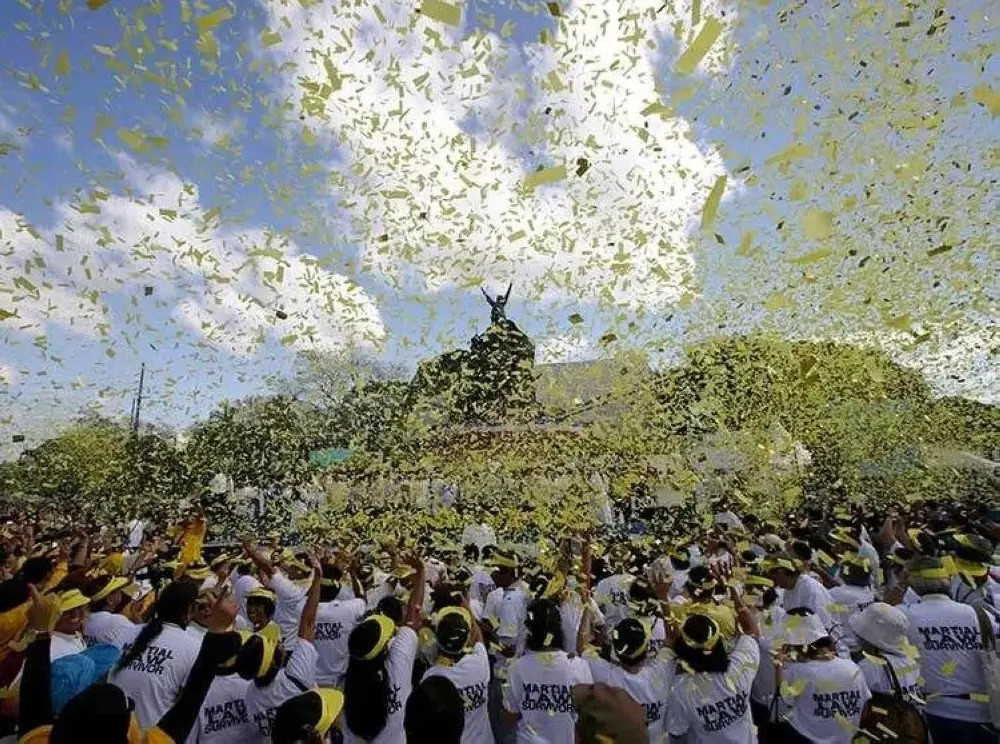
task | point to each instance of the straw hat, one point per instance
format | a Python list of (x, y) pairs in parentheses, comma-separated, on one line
[(883, 626)]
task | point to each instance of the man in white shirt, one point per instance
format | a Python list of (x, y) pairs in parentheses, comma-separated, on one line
[(947, 634), (290, 595), (335, 619), (802, 590)]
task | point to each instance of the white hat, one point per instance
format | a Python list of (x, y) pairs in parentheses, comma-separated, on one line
[(799, 630), (883, 626)]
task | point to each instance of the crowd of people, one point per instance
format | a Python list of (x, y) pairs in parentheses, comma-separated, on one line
[(829, 626)]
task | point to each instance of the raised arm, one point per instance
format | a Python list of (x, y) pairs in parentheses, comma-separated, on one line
[(415, 605), (260, 560), (307, 621)]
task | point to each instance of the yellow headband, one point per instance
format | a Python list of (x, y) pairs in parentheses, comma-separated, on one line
[(932, 574), (643, 647), (268, 657), (853, 559), (763, 581), (770, 564), (971, 568), (229, 663), (386, 628), (714, 636), (332, 702), (445, 611)]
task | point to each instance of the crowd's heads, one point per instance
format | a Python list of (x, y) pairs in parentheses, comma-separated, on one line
[(330, 585), (855, 570), (782, 569), (260, 607), (106, 592), (103, 708)]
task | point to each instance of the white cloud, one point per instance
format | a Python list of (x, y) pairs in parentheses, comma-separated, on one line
[(430, 202), (8, 375), (214, 129), (227, 284)]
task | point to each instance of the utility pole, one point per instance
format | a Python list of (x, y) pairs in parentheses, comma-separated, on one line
[(138, 399)]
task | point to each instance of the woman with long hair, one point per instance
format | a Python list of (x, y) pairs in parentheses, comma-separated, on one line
[(462, 659), (159, 657), (537, 697), (637, 671), (379, 673), (278, 673), (710, 697), (820, 695)]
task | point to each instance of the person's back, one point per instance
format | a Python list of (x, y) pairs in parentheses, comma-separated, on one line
[(539, 688), (434, 713), (334, 622), (155, 679), (947, 635), (823, 699), (471, 677), (223, 717)]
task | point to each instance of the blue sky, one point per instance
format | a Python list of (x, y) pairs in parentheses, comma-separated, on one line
[(891, 120)]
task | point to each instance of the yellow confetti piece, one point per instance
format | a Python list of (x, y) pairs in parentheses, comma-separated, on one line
[(817, 224), (542, 177), (986, 96), (712, 203), (95, 4), (62, 64), (207, 22), (695, 53), (442, 11)]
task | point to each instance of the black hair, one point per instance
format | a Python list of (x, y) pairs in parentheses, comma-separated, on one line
[(487, 551), (393, 608), (471, 552), (434, 713), (296, 718), (172, 606), (453, 635), (801, 549), (265, 602), (100, 711), (329, 592), (249, 658), (854, 575), (244, 569), (698, 628), (367, 687), (544, 625), (14, 592), (628, 639), (700, 583)]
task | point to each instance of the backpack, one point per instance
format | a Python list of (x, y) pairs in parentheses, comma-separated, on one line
[(891, 718)]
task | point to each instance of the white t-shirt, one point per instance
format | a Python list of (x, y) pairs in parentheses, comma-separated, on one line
[(809, 593), (471, 675), (823, 700), (64, 644), (611, 595), (155, 680), (715, 707), (571, 615), (947, 634), (402, 653), (847, 600), (649, 686), (507, 611), (290, 598), (334, 622), (223, 717), (298, 676), (770, 641), (108, 627), (538, 688), (907, 672)]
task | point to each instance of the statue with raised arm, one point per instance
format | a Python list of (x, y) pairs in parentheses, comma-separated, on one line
[(498, 304)]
